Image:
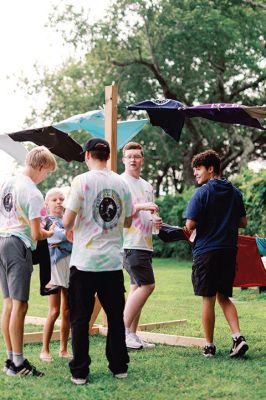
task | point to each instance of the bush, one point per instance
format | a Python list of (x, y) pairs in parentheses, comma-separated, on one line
[(253, 188)]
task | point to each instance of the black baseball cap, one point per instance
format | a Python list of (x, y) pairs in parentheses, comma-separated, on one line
[(96, 144)]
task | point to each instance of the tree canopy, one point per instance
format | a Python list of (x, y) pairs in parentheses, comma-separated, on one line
[(193, 51)]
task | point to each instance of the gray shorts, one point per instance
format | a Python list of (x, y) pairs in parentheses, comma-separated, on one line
[(15, 268), (138, 263)]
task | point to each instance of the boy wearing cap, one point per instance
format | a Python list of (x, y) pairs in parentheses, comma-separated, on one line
[(98, 208), (21, 209)]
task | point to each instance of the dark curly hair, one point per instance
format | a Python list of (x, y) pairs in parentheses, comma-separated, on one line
[(208, 158)]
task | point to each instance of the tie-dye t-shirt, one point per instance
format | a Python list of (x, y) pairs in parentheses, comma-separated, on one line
[(102, 201), (139, 235), (20, 202)]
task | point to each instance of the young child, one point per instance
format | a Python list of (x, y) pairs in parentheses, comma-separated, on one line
[(60, 250), (21, 209)]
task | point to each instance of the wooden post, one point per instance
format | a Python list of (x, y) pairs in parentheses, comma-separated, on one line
[(111, 123), (111, 136)]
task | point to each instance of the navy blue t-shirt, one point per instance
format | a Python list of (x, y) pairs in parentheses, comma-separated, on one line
[(217, 208)]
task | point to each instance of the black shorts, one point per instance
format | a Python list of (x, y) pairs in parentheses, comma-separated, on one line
[(214, 272), (138, 263)]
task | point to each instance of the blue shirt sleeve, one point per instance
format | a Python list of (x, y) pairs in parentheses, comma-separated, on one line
[(195, 206)]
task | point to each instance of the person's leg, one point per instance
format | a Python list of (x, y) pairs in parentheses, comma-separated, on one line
[(111, 293), (65, 323), (229, 311), (81, 301), (208, 317), (5, 321), (53, 313), (136, 299), (16, 325), (138, 264)]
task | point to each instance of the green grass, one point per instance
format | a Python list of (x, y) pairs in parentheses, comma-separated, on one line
[(167, 372)]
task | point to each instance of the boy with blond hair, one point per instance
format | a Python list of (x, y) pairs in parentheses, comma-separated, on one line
[(60, 251), (21, 209)]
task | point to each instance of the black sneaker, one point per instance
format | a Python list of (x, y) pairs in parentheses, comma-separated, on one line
[(25, 369), (7, 365), (239, 348), (209, 351)]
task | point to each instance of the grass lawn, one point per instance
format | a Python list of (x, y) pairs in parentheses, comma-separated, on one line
[(166, 372)]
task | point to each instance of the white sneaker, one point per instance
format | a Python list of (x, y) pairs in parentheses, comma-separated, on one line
[(146, 345), (122, 375), (78, 381), (132, 343)]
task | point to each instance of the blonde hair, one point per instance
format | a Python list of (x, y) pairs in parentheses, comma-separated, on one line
[(53, 191), (40, 157), (133, 146)]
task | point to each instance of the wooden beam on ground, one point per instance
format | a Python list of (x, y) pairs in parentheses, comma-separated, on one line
[(36, 337), (158, 325), (162, 338)]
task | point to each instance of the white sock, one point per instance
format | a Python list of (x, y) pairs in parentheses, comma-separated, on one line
[(18, 359), (9, 355), (236, 335)]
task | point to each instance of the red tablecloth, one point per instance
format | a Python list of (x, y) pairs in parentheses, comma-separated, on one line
[(250, 270)]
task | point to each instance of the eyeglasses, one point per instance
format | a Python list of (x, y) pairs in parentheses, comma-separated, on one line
[(136, 157)]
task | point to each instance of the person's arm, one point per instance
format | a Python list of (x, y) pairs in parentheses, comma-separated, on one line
[(149, 206), (127, 222), (243, 222), (37, 232), (190, 225), (69, 219)]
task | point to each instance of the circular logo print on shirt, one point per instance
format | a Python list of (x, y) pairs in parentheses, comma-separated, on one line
[(107, 208), (7, 202)]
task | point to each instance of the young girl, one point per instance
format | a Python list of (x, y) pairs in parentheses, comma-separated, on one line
[(60, 250)]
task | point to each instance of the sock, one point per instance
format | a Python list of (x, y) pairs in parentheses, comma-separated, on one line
[(18, 359), (9, 355), (236, 335), (127, 331), (210, 344)]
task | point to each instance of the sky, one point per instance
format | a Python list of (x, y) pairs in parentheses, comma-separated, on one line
[(26, 41)]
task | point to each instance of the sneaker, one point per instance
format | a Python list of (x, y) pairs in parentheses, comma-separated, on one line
[(121, 375), (78, 381), (25, 369), (146, 345), (7, 365), (209, 351), (133, 343), (239, 348)]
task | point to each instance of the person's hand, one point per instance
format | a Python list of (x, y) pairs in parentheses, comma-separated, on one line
[(51, 230), (157, 222), (70, 236), (149, 206)]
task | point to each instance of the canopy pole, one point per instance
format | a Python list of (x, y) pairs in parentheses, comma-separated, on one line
[(111, 136), (111, 93)]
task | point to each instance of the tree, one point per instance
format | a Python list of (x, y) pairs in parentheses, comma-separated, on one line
[(194, 51)]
